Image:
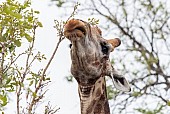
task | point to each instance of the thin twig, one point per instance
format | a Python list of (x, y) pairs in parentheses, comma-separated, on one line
[(43, 74), (25, 72), (60, 29)]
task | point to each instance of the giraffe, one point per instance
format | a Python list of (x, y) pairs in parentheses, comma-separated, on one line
[(90, 64)]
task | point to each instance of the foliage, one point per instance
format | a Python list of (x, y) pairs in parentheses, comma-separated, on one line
[(93, 21), (59, 3), (69, 78), (18, 24), (143, 26), (148, 111), (50, 110)]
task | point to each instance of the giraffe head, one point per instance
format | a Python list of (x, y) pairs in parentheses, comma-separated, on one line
[(89, 51), (78, 30)]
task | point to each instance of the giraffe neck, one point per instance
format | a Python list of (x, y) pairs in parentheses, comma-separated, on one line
[(93, 98)]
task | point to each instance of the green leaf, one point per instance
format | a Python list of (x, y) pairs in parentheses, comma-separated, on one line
[(17, 43), (12, 8), (47, 79), (30, 18), (31, 82), (6, 10), (4, 37), (8, 80), (112, 61), (28, 37), (59, 3), (3, 99), (22, 84), (168, 103), (136, 94), (37, 12), (11, 90), (29, 78), (17, 15), (34, 94), (39, 24), (69, 78)]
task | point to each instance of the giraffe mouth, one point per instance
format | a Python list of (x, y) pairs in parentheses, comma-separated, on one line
[(74, 29)]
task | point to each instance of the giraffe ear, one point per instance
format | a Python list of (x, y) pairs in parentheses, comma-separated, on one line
[(121, 83), (114, 42)]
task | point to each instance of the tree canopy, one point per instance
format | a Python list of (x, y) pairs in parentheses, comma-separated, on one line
[(18, 24)]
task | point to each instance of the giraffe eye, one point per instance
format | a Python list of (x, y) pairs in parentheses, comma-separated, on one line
[(105, 47), (70, 45)]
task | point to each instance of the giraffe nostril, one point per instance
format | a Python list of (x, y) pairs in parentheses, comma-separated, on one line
[(82, 29)]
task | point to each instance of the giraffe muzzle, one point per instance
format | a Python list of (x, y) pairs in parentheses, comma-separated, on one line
[(74, 30)]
